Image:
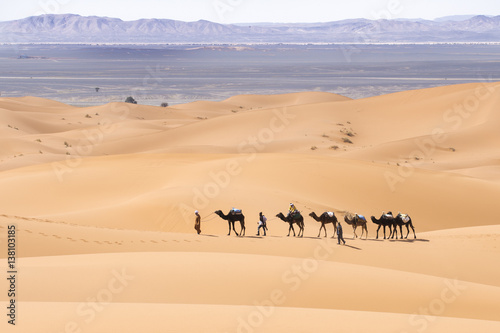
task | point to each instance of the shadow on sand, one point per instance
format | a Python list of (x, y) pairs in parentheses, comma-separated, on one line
[(352, 247), (409, 240)]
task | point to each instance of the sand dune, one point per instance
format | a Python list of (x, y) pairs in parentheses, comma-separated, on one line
[(103, 199)]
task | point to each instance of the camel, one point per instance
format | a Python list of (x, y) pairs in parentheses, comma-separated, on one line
[(404, 219), (356, 221), (386, 220), (231, 218), (325, 218), (296, 218)]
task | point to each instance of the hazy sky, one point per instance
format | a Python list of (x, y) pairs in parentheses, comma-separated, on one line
[(244, 11)]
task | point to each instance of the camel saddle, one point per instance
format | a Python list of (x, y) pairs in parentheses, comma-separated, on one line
[(405, 218), (330, 214), (235, 211), (361, 217)]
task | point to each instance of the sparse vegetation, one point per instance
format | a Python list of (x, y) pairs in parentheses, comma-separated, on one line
[(88, 116), (38, 140), (164, 105), (452, 149), (314, 148), (347, 140), (130, 100), (348, 132), (334, 147), (67, 144)]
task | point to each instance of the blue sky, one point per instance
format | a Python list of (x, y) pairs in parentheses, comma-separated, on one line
[(244, 11)]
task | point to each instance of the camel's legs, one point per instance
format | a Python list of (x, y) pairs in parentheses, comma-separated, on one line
[(243, 229), (322, 227), (379, 226), (354, 231), (412, 228), (362, 231), (234, 228), (394, 232)]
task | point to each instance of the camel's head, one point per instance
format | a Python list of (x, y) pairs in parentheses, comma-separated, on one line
[(218, 212)]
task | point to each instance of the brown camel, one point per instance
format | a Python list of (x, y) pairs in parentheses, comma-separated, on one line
[(231, 217), (325, 218), (355, 221), (404, 220), (296, 218), (386, 220)]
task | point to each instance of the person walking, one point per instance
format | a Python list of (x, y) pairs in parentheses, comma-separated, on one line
[(340, 233), (262, 224), (197, 222)]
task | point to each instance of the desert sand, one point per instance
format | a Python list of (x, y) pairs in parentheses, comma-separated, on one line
[(103, 200)]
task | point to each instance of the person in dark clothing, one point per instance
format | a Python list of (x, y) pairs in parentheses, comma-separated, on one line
[(197, 222), (262, 224), (340, 233)]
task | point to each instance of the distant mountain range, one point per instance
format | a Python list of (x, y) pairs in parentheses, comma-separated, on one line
[(79, 29)]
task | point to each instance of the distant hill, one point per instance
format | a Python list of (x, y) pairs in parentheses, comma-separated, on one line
[(80, 29)]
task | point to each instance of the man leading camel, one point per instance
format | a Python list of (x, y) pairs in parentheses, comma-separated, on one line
[(197, 222), (262, 224), (340, 233)]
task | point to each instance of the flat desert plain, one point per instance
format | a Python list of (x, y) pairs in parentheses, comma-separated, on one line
[(101, 200)]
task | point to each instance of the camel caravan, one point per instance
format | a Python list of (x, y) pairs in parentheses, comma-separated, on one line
[(387, 220)]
